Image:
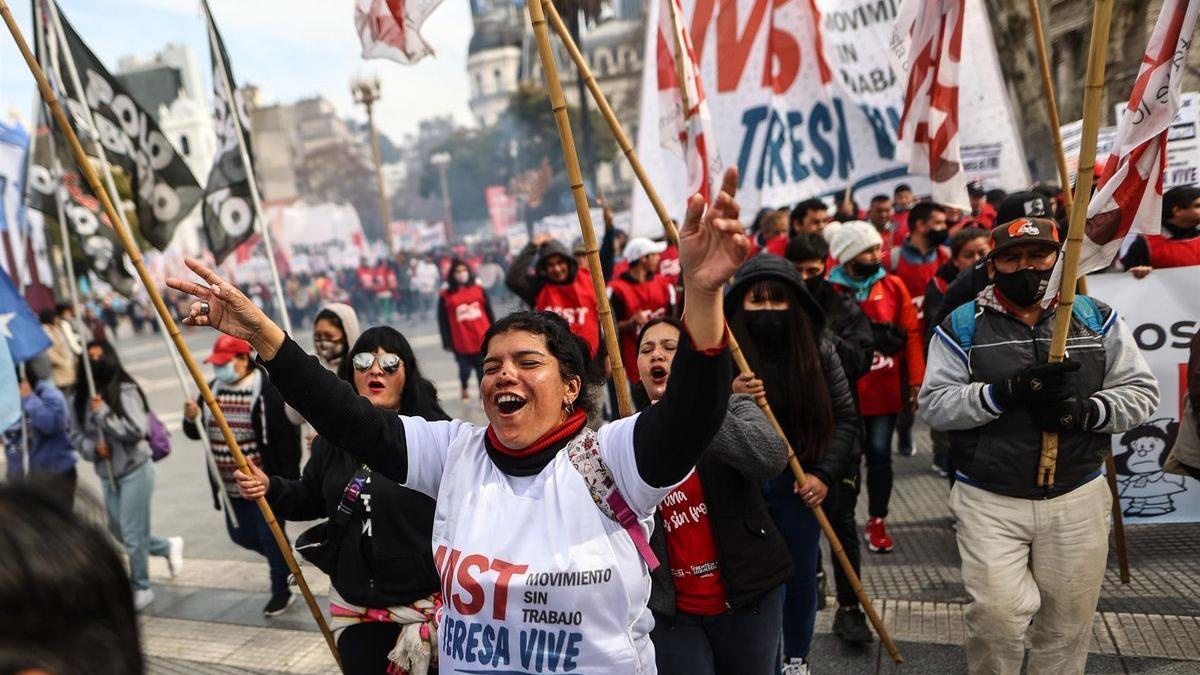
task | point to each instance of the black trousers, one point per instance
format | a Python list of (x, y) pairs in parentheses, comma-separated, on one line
[(839, 506), (365, 646)]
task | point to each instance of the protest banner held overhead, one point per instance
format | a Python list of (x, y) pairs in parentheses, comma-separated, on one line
[(805, 100)]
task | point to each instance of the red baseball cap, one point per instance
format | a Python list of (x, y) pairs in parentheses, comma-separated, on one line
[(226, 348)]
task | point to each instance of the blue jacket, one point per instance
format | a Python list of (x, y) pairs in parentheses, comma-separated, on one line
[(50, 447)]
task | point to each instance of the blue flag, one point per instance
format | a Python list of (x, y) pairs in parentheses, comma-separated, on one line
[(18, 325), (10, 399)]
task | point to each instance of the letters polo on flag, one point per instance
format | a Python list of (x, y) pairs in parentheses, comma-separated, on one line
[(927, 44), (684, 121), (390, 29), (1129, 192), (228, 208)]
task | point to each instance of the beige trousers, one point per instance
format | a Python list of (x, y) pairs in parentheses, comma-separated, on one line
[(1026, 560)]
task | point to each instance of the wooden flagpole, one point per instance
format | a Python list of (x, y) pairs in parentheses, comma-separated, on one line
[(89, 172), (1064, 177), (536, 13), (575, 178), (1097, 55)]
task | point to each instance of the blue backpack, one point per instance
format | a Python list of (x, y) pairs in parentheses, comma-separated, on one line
[(962, 319)]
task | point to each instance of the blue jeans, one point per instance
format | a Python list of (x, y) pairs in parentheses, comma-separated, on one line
[(745, 640), (129, 521), (467, 363), (253, 534), (878, 452), (800, 530)]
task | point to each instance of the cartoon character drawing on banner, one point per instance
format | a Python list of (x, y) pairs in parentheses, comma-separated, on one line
[(1146, 490)]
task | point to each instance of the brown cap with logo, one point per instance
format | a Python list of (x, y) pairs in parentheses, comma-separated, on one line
[(1024, 231)]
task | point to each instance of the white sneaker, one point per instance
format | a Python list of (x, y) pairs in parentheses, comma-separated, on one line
[(175, 556), (142, 599), (796, 667)]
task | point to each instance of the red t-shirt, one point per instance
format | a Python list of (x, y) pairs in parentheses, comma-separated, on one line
[(694, 566)]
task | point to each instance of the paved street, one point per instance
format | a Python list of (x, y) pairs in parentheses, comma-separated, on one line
[(208, 619)]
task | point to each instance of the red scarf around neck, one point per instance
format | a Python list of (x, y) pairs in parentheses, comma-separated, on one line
[(566, 429)]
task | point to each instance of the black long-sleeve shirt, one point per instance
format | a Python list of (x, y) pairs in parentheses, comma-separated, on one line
[(668, 438)]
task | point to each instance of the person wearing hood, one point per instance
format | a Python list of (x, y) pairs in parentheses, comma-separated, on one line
[(464, 315), (639, 295), (375, 547), (335, 328), (51, 458), (111, 430), (898, 343), (782, 332), (1179, 243), (256, 414), (558, 284)]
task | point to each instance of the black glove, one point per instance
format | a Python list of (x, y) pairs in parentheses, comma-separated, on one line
[(889, 338), (1069, 414), (1037, 384)]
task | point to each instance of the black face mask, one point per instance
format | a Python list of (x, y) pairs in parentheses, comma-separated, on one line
[(768, 327), (102, 372), (864, 270), (813, 284), (1023, 287), (937, 237)]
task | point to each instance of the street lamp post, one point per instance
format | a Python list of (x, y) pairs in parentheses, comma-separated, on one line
[(366, 92), (441, 160)]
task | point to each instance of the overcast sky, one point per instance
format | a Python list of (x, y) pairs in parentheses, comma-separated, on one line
[(291, 49)]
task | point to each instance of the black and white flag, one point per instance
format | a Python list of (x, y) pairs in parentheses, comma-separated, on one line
[(228, 209), (164, 189)]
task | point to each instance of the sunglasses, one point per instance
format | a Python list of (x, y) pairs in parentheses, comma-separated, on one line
[(363, 361)]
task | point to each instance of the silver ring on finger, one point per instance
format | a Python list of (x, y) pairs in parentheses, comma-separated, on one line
[(204, 308)]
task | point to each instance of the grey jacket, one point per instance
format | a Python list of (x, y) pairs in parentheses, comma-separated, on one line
[(998, 450), (126, 435)]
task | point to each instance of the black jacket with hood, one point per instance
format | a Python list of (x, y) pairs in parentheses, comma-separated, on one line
[(527, 286), (835, 461)]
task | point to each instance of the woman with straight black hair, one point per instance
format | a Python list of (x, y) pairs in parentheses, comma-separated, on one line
[(464, 315), (111, 430), (782, 331), (375, 547)]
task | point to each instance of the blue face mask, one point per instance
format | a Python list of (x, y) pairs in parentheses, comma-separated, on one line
[(225, 373)]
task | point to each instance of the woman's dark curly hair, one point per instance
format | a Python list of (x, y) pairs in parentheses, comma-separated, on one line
[(570, 350)]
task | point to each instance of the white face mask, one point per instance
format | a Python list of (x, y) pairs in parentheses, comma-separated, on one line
[(329, 350), (462, 277)]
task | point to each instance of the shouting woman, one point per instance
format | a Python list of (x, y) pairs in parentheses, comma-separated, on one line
[(535, 573)]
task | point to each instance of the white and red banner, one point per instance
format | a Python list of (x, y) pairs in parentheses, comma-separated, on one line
[(390, 29), (927, 44), (1129, 192), (684, 121), (804, 100)]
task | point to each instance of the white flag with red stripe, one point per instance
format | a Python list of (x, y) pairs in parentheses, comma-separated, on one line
[(1128, 196), (684, 121), (927, 44), (390, 29)]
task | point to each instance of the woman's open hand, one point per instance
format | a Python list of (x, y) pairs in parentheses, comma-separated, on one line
[(712, 242), (228, 310)]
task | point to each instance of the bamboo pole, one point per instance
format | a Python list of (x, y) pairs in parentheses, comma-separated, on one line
[(1064, 177), (575, 178), (110, 210), (1097, 55), (735, 349)]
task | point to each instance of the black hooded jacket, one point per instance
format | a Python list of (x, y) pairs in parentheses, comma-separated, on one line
[(527, 286), (833, 462)]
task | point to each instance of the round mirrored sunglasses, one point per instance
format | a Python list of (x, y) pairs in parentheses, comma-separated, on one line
[(390, 363)]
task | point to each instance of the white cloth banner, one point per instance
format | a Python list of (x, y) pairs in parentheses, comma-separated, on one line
[(1163, 329), (803, 112)]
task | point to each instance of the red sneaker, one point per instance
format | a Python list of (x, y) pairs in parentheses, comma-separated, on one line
[(877, 537)]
